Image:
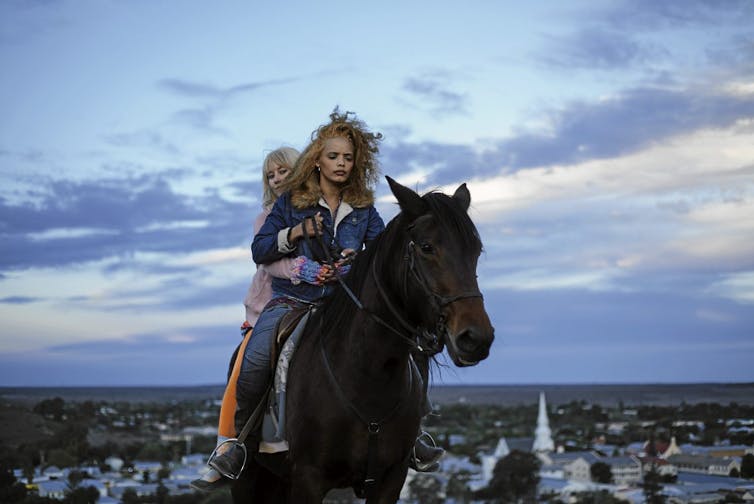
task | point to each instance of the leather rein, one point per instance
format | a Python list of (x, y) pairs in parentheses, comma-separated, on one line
[(416, 334)]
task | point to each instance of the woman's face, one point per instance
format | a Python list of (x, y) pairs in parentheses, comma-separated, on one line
[(336, 161), (276, 174)]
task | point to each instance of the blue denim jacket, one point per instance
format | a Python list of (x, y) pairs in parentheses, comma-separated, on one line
[(355, 227)]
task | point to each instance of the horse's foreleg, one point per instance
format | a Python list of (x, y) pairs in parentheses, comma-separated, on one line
[(390, 487), (306, 486)]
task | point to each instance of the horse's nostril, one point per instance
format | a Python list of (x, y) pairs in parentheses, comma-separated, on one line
[(467, 341)]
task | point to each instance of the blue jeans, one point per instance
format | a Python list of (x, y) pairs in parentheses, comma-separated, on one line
[(256, 373)]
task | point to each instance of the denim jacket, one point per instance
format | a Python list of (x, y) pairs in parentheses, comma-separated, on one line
[(354, 227)]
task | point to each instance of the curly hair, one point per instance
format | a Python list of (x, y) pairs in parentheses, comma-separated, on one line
[(359, 189), (283, 156)]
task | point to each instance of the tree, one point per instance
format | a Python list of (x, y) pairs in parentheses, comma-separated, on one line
[(10, 489), (426, 488), (163, 473), (54, 408), (82, 495), (514, 479), (747, 466), (129, 496), (161, 496), (601, 497), (601, 472), (652, 488)]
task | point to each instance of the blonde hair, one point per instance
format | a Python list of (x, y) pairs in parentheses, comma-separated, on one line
[(358, 191), (283, 156)]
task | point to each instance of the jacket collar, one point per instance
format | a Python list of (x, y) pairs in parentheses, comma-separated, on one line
[(343, 210)]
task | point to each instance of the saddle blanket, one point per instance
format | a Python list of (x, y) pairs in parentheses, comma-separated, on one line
[(273, 425)]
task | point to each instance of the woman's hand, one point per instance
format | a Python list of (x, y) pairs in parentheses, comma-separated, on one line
[(311, 272), (306, 228)]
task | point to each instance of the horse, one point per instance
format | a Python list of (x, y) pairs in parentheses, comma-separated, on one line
[(354, 398)]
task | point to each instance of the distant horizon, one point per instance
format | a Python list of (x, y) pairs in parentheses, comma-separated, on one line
[(434, 385), (658, 394)]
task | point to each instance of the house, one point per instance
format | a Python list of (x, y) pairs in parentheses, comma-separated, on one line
[(99, 485), (626, 470), (151, 468), (53, 489), (705, 464), (115, 463), (662, 449), (140, 490), (660, 466), (576, 465), (729, 451), (53, 472)]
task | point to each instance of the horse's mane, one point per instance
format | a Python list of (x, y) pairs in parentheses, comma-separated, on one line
[(338, 309)]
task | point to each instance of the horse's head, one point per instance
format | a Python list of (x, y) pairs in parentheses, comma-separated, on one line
[(442, 248)]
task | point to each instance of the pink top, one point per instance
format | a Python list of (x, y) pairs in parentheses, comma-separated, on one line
[(260, 290)]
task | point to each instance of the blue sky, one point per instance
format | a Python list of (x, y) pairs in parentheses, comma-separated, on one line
[(608, 147)]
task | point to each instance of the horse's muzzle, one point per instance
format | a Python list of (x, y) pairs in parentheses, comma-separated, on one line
[(470, 346)]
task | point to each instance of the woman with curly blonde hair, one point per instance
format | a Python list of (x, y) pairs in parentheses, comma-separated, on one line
[(357, 190)]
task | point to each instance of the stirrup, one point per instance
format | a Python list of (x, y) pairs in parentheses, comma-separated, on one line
[(228, 449), (429, 466)]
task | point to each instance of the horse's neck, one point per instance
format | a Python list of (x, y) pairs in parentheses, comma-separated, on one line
[(367, 348)]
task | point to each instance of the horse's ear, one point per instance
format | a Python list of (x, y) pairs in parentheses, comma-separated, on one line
[(463, 196), (411, 203)]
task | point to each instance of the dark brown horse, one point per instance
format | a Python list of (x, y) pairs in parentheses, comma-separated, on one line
[(354, 396)]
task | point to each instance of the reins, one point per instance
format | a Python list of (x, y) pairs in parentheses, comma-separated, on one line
[(414, 331)]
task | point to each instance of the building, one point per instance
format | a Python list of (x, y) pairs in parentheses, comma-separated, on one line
[(705, 464), (53, 489), (543, 434), (626, 470), (576, 466)]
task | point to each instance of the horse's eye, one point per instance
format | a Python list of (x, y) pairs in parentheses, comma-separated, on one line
[(427, 248)]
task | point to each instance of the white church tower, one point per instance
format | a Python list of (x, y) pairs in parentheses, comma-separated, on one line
[(543, 435)]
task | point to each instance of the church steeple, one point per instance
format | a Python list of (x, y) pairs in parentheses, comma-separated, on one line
[(543, 435)]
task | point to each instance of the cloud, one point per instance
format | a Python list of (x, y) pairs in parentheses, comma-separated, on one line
[(19, 300), (191, 89), (198, 355), (647, 15), (579, 132), (738, 287), (431, 92), (623, 124), (598, 48), (74, 222), (144, 138), (200, 119)]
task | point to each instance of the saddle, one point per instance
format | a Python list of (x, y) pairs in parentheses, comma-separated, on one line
[(289, 329), (285, 328)]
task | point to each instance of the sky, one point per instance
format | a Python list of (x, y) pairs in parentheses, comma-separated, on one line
[(608, 147)]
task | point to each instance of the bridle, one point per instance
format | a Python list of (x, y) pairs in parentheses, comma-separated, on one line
[(418, 338)]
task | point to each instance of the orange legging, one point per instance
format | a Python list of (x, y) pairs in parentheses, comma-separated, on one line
[(227, 426)]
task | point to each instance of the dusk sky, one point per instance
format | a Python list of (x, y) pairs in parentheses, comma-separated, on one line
[(608, 147)]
